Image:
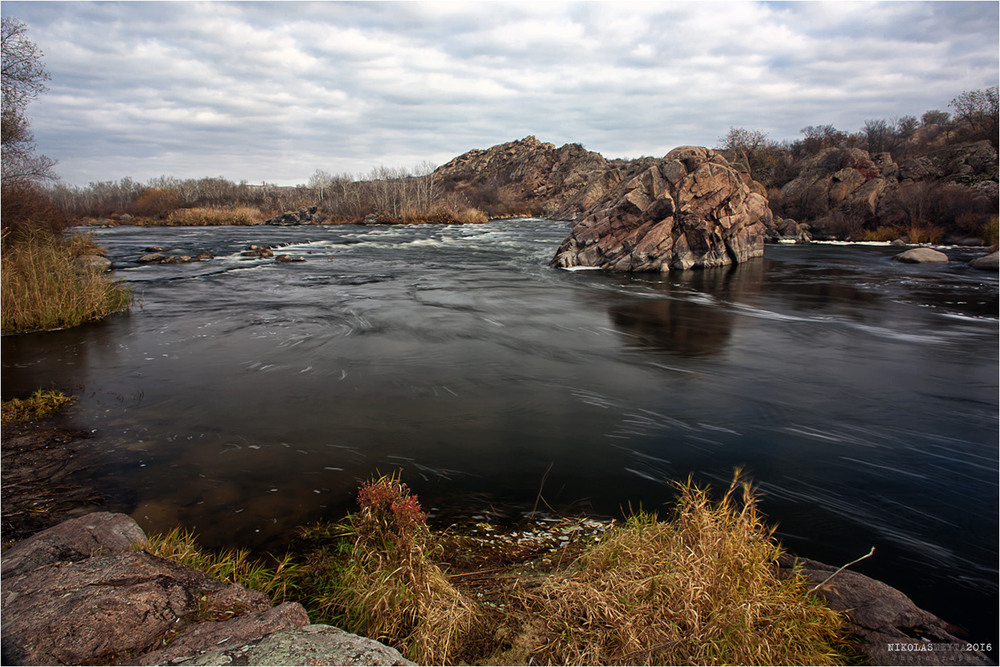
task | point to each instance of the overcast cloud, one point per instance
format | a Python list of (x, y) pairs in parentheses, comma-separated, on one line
[(273, 91)]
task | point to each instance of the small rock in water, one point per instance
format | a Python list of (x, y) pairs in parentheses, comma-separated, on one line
[(989, 262)]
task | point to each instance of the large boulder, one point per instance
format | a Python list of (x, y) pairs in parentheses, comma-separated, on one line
[(689, 210), (83, 593), (892, 630), (921, 255)]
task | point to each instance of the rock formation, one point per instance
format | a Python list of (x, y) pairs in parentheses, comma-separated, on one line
[(689, 210), (306, 215), (81, 593), (838, 183), (529, 174)]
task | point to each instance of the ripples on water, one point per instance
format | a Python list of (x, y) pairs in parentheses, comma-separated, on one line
[(245, 397)]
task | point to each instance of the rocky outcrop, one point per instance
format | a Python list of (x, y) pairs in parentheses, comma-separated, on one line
[(688, 210), (307, 215), (892, 629), (81, 593), (844, 190), (921, 256), (529, 175)]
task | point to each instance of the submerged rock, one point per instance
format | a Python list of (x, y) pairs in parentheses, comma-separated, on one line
[(921, 256), (688, 210), (990, 262)]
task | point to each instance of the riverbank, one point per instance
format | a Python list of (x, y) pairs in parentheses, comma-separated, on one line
[(509, 578)]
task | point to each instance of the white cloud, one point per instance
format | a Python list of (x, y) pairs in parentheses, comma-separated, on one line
[(275, 90)]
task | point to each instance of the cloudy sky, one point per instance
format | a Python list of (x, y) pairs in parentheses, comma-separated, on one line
[(274, 91)]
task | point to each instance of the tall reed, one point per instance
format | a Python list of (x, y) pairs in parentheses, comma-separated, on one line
[(41, 289)]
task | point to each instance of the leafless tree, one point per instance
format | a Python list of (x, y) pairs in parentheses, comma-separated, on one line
[(23, 80)]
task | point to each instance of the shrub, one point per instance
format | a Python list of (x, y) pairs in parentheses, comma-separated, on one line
[(991, 231), (701, 588), (42, 289), (918, 233), (26, 210), (390, 589), (883, 233), (156, 203), (43, 403)]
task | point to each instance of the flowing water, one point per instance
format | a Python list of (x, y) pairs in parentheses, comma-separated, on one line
[(243, 397)]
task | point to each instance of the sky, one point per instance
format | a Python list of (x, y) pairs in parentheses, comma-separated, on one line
[(263, 91)]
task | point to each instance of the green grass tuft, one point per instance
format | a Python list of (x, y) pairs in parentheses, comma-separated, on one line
[(43, 403)]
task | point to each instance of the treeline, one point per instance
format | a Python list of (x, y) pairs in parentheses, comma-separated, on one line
[(389, 194), (774, 163)]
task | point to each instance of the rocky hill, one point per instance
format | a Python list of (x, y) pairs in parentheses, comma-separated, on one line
[(528, 176), (942, 194)]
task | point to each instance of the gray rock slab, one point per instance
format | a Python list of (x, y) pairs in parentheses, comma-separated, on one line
[(308, 645)]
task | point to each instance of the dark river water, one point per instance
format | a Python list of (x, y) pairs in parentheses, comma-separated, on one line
[(242, 397)]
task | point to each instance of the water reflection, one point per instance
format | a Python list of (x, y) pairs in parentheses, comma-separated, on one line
[(685, 313)]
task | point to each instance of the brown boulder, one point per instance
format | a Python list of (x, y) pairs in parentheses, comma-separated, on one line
[(688, 210), (892, 629)]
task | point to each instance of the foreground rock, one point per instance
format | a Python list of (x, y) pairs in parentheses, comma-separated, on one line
[(921, 256), (893, 630), (78, 594), (688, 210)]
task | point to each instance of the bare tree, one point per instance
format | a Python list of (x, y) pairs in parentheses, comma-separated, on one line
[(978, 112), (23, 80)]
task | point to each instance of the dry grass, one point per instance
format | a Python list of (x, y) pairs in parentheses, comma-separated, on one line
[(924, 234), (41, 289), (701, 588), (883, 233), (444, 214), (41, 404), (390, 589), (208, 216)]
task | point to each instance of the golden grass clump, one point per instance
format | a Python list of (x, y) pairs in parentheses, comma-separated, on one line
[(701, 588), (41, 404), (42, 290), (208, 216), (390, 589)]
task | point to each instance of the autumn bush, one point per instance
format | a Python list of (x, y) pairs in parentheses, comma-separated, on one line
[(156, 203)]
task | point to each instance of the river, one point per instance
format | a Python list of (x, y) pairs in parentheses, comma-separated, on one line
[(243, 397)]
